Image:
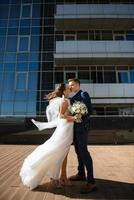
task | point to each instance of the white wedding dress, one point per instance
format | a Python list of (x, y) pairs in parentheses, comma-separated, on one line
[(47, 158)]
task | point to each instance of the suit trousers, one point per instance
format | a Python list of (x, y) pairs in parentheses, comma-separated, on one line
[(84, 157)]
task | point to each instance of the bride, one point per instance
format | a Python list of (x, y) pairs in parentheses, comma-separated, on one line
[(48, 158)]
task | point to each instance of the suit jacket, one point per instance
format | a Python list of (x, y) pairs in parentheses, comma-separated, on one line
[(84, 97)]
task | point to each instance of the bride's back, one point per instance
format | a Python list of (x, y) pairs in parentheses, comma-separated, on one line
[(52, 110)]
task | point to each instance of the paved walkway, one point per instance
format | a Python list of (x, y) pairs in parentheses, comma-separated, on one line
[(113, 167)]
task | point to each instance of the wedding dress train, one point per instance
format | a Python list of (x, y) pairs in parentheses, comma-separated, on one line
[(47, 158)]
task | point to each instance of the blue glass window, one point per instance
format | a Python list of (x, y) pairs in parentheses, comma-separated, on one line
[(1, 57), (20, 108), (33, 66), (21, 96), (4, 1), (3, 23), (21, 81), (7, 108), (11, 44), (1, 77), (130, 35), (24, 31), (32, 96), (22, 67), (47, 80), (15, 1), (8, 82), (2, 43), (35, 43), (27, 1), (37, 11), (15, 11), (33, 81), (9, 57), (9, 66), (123, 77), (1, 67), (36, 31), (13, 23), (31, 108), (13, 31), (26, 11), (4, 12), (24, 43), (109, 77), (34, 57), (7, 96), (36, 22), (25, 22), (22, 57), (3, 31), (132, 76)]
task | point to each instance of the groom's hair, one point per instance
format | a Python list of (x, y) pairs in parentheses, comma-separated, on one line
[(74, 80)]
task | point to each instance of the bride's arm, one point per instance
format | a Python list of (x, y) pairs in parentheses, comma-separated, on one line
[(63, 114)]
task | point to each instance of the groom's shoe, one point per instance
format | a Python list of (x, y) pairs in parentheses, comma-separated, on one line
[(89, 187), (77, 177)]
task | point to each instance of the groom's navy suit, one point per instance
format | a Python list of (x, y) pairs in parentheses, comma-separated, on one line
[(81, 137)]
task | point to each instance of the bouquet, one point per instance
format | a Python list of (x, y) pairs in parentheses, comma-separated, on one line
[(79, 108)]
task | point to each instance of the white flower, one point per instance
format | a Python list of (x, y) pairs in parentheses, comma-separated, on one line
[(78, 108)]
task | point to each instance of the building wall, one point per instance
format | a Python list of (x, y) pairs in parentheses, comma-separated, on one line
[(45, 42)]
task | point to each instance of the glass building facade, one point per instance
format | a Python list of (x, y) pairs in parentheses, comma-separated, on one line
[(26, 64), (45, 42)]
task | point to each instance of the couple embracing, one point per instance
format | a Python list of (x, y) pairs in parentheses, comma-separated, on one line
[(50, 158)]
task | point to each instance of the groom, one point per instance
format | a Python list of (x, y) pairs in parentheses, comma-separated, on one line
[(80, 139)]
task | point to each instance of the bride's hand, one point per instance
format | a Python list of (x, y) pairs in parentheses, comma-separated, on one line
[(78, 116)]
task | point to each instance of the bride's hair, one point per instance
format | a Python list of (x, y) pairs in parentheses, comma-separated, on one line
[(58, 92)]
